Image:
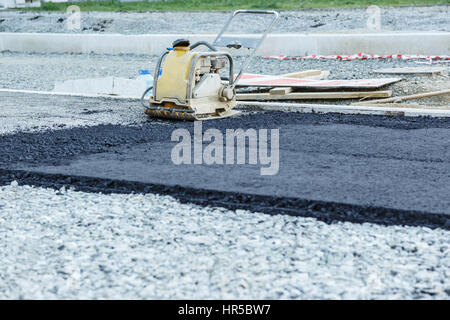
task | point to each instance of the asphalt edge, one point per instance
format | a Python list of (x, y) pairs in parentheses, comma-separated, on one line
[(328, 212)]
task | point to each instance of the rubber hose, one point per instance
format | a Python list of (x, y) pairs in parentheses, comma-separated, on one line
[(143, 96)]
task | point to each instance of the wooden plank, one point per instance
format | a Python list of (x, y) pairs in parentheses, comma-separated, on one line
[(404, 105), (281, 90), (301, 74), (259, 80), (344, 109), (414, 70), (312, 95), (310, 74), (410, 97)]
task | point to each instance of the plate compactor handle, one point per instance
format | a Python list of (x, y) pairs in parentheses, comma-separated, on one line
[(242, 42)]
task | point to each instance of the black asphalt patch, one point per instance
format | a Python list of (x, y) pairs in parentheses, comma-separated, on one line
[(390, 170)]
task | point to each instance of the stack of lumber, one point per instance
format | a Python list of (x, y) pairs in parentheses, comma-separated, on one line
[(397, 100), (288, 86)]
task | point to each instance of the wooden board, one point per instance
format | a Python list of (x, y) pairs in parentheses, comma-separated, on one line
[(411, 97), (301, 74), (343, 109), (312, 95), (260, 80), (414, 70), (403, 105), (281, 90), (308, 74)]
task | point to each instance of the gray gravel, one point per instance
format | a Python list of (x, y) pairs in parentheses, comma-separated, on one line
[(41, 71), (436, 18), (37, 71), (66, 244), (32, 112)]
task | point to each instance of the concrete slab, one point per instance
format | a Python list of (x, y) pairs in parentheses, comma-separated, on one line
[(103, 86)]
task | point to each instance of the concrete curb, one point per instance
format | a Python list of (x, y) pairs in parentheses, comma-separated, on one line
[(426, 43)]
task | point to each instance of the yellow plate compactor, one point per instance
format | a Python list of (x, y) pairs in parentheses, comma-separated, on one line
[(188, 85)]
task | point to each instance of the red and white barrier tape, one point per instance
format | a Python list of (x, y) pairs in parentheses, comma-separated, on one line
[(362, 56)]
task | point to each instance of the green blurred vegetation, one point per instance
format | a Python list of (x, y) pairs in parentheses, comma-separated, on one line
[(197, 5)]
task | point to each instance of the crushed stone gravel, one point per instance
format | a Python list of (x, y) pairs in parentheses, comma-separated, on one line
[(34, 112), (73, 245), (38, 71), (405, 18)]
